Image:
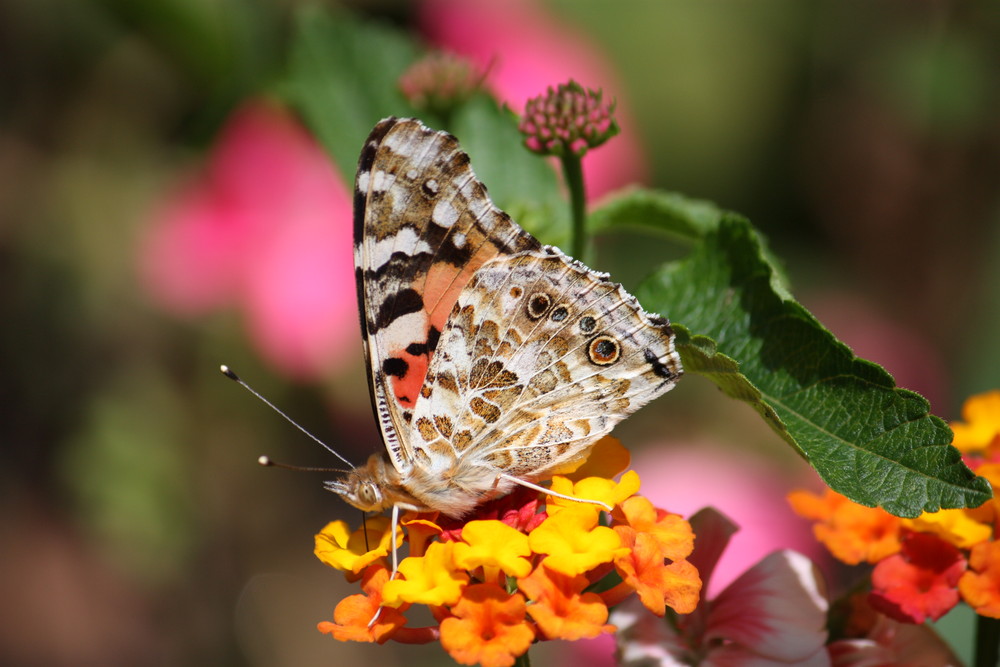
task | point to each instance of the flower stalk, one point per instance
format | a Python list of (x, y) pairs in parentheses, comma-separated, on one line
[(566, 122), (987, 642)]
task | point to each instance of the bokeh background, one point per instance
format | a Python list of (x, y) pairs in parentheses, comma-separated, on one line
[(161, 213)]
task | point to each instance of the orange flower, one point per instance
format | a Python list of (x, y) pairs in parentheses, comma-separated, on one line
[(487, 627), (853, 533), (460, 567), (353, 614), (657, 583), (671, 531), (561, 608), (980, 585), (989, 512), (419, 529)]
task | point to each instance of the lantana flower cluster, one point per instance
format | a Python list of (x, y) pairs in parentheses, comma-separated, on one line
[(924, 566), (525, 568), (567, 120), (440, 82)]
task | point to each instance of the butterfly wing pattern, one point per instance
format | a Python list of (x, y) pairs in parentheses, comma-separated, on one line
[(493, 360)]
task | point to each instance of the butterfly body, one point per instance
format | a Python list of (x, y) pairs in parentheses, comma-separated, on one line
[(493, 360)]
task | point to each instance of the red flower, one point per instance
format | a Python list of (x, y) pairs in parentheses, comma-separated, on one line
[(920, 582), (518, 509)]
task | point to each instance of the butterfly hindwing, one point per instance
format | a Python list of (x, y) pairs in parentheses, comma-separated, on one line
[(542, 356), (423, 226)]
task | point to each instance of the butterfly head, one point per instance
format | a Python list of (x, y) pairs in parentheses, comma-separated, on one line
[(373, 487)]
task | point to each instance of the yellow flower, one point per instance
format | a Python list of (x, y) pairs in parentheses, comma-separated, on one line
[(607, 458), (552, 549), (429, 579), (573, 542), (341, 549), (494, 546), (954, 526), (602, 489), (981, 428)]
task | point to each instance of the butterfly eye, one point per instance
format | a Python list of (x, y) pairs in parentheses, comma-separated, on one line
[(538, 305), (604, 351), (368, 494)]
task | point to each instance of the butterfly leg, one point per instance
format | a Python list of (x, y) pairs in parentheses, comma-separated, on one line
[(395, 559), (550, 492)]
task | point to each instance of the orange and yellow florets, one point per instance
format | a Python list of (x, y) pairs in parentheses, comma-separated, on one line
[(524, 568)]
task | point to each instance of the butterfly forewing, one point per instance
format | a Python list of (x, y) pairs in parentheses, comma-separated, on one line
[(423, 226)]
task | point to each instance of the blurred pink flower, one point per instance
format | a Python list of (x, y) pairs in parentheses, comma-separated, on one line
[(772, 614), (266, 227), (527, 50)]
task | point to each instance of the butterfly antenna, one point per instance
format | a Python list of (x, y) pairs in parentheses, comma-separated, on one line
[(238, 380), (268, 463)]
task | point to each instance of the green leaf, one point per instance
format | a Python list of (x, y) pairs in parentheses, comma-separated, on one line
[(867, 438), (667, 212), (519, 182), (342, 76)]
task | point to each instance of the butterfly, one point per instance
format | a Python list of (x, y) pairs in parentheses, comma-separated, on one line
[(493, 360)]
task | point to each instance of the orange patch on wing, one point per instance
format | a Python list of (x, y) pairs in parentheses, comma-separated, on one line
[(406, 389), (444, 283)]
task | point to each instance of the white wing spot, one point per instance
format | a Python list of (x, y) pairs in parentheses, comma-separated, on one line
[(381, 181), (444, 214), (363, 182), (406, 240), (458, 239)]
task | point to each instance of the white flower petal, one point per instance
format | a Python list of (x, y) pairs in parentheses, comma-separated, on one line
[(776, 609)]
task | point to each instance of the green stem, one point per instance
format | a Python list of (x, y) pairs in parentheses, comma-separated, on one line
[(573, 173), (987, 642), (522, 660)]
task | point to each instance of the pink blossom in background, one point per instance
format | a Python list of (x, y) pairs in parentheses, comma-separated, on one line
[(526, 50), (742, 487), (772, 614), (265, 227)]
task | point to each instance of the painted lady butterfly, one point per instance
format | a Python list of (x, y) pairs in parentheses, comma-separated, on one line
[(493, 360)]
